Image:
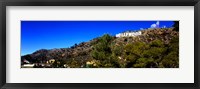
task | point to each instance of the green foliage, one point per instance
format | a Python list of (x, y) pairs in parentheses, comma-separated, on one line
[(102, 50), (154, 52), (144, 63), (171, 60), (152, 55), (117, 50), (155, 49), (138, 54), (157, 43)]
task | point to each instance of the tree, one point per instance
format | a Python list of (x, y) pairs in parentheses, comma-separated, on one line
[(134, 51), (102, 49), (171, 60), (144, 63)]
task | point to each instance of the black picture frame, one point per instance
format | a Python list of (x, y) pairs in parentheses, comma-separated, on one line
[(4, 3)]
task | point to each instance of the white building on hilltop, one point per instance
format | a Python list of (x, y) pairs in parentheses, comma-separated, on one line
[(156, 25), (129, 34)]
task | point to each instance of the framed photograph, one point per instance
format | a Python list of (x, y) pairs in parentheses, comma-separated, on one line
[(99, 44)]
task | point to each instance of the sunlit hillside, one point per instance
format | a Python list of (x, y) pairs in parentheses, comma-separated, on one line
[(153, 48)]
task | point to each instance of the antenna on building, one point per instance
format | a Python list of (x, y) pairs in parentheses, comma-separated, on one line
[(157, 24)]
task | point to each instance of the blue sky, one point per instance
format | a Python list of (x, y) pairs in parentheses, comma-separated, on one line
[(37, 35)]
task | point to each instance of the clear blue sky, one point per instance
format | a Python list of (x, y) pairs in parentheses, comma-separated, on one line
[(37, 35)]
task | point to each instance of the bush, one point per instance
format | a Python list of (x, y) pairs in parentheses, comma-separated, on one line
[(170, 61), (102, 50), (144, 63)]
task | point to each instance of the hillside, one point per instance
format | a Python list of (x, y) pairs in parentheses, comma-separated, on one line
[(155, 48)]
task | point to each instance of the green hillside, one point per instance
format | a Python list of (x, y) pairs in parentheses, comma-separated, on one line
[(155, 48)]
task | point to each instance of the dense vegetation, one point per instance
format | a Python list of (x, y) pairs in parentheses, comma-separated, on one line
[(155, 48), (140, 54)]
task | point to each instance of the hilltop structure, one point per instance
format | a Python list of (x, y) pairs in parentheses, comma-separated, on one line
[(156, 25), (129, 34), (136, 33)]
